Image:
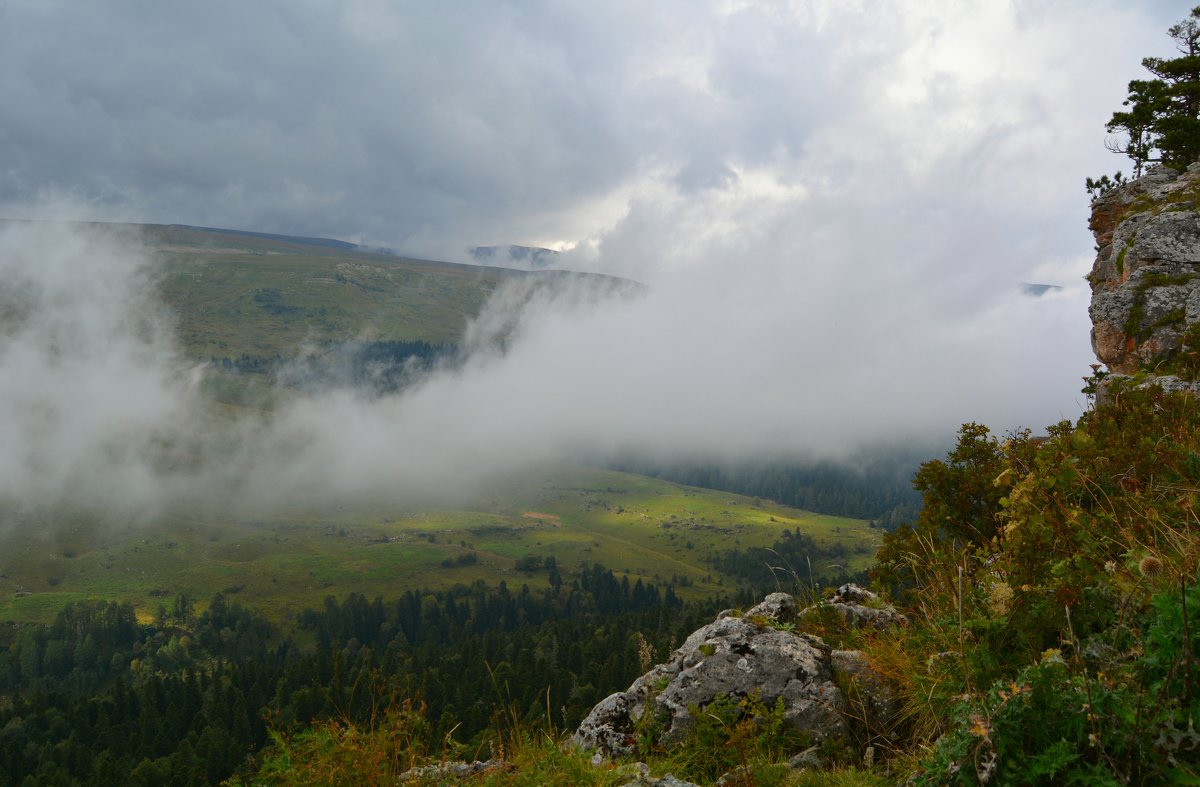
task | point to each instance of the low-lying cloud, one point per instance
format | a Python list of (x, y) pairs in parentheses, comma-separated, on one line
[(91, 397), (833, 206), (98, 408)]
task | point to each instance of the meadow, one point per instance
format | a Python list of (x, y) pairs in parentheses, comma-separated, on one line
[(291, 560)]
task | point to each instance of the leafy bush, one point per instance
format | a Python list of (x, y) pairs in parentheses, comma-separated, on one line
[(1044, 581), (1089, 720)]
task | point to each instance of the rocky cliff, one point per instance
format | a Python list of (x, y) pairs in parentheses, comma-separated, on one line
[(1145, 305)]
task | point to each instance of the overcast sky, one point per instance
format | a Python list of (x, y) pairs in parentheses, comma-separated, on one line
[(834, 202), (432, 127)]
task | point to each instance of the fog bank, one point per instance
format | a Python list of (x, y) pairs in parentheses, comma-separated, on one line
[(98, 408)]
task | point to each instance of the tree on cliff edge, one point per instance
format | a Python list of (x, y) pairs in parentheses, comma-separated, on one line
[(1163, 114)]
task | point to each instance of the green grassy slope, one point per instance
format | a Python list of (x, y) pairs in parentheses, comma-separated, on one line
[(285, 562), (237, 294)]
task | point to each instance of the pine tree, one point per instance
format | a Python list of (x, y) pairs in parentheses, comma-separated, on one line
[(1163, 114)]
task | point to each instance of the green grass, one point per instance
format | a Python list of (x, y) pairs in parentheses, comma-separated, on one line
[(235, 294), (291, 560)]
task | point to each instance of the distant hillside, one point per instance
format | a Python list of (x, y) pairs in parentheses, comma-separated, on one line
[(328, 243), (519, 257), (256, 294)]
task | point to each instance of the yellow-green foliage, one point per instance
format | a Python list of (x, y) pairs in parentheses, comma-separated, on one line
[(338, 753), (1029, 576)]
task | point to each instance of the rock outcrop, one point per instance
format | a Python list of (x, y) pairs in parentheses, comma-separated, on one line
[(759, 653), (860, 607), (1146, 277)]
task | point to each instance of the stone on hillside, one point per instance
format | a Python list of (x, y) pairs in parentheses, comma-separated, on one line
[(640, 776), (734, 657), (646, 780), (809, 758), (851, 593), (860, 607), (731, 657), (780, 607)]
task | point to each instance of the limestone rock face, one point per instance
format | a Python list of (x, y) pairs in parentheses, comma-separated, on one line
[(759, 652), (1146, 277)]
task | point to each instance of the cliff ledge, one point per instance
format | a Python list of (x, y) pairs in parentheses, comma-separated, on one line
[(1145, 305)]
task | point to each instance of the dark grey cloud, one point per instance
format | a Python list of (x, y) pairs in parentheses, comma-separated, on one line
[(392, 122)]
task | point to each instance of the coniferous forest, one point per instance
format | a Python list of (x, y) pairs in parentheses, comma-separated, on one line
[(97, 698)]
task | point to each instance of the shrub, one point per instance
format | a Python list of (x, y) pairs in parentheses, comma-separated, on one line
[(1029, 545), (1094, 717)]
